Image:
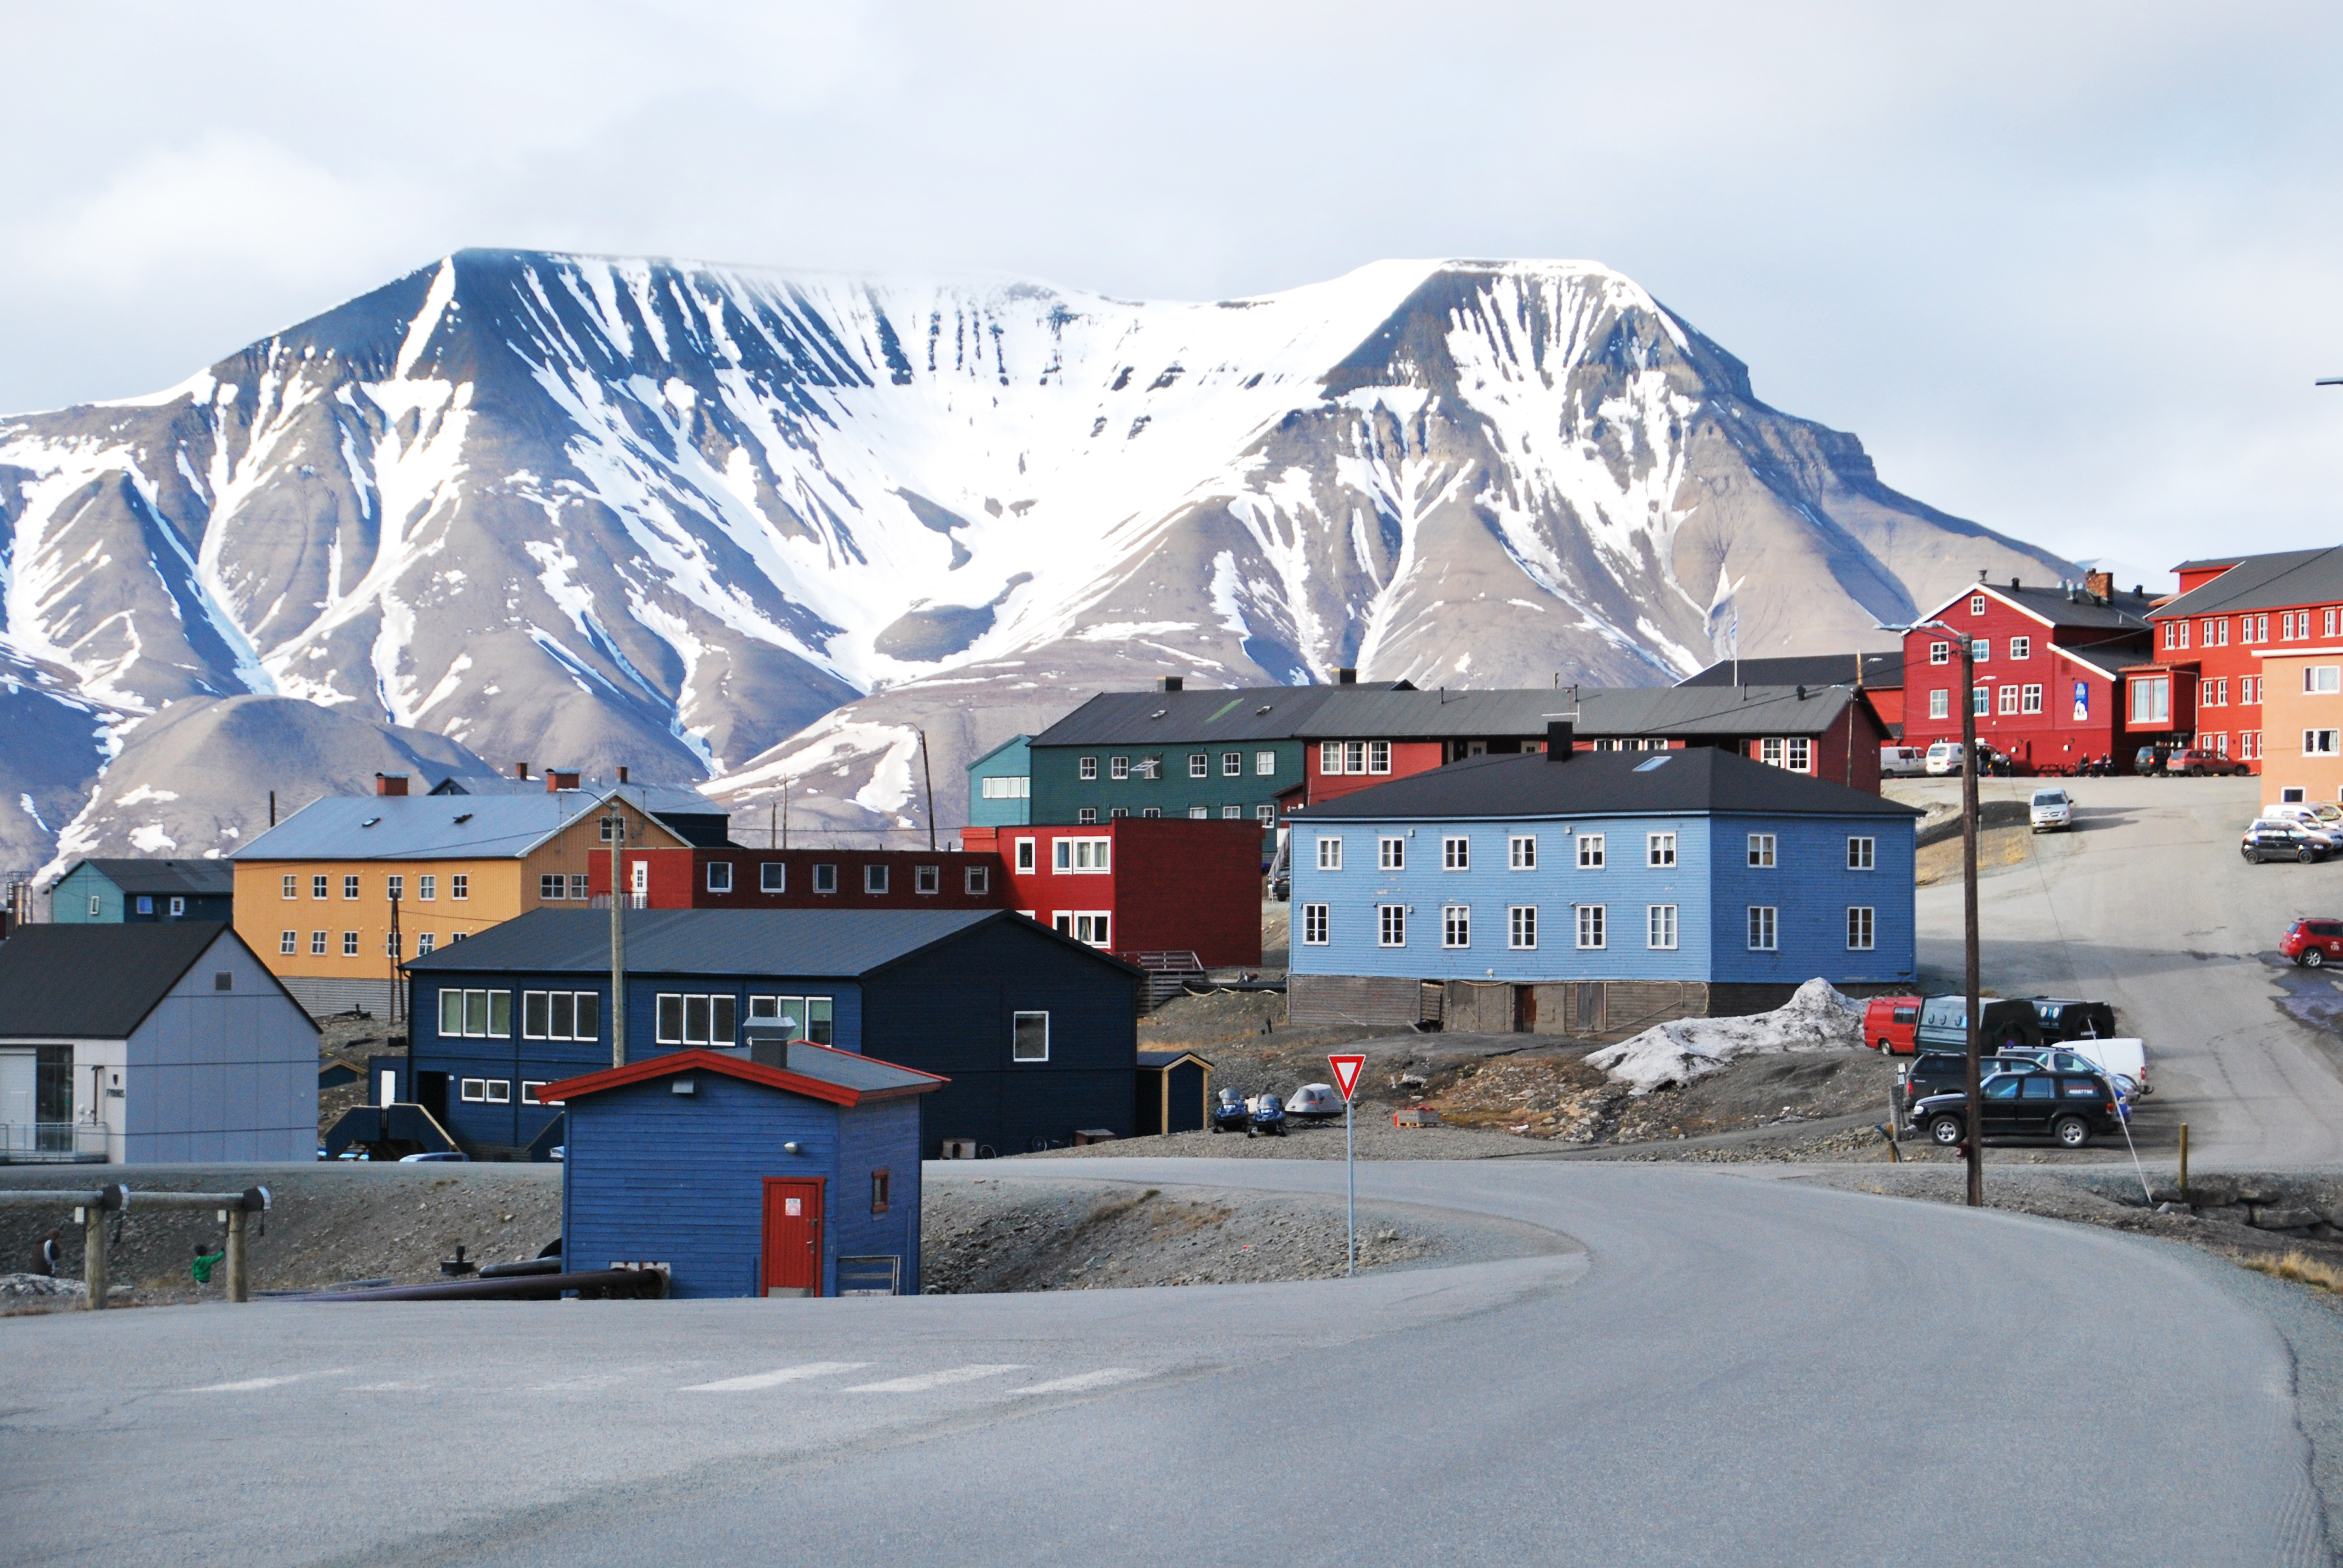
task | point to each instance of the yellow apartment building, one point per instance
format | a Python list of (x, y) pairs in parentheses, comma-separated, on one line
[(316, 895), (2302, 724)]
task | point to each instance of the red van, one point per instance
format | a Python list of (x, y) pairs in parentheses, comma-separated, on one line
[(1888, 1022)]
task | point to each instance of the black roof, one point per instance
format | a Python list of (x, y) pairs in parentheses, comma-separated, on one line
[(1685, 781), (2282, 580), (95, 981), (1179, 718), (2123, 610), (1404, 712), (1876, 671), (201, 878), (1171, 1058), (830, 943)]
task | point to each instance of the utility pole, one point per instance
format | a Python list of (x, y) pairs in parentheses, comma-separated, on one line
[(785, 813), (1976, 1108), (930, 779), (617, 822), (397, 953)]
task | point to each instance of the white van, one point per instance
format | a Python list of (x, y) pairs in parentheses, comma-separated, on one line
[(1902, 761), (1944, 757)]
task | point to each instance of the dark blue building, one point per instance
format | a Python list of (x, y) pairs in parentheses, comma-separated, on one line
[(1038, 1033), (795, 1173)]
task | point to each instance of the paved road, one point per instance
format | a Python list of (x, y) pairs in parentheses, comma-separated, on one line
[(2147, 904), (1729, 1371)]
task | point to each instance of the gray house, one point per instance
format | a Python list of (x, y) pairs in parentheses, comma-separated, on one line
[(145, 1044)]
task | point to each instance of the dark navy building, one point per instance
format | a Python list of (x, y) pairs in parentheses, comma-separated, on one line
[(795, 1173), (1038, 1033)]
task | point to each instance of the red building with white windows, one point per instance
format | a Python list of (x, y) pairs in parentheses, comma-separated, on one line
[(2203, 684), (1138, 884), (2050, 671), (734, 877)]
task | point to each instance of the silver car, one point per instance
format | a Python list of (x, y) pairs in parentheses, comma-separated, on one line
[(2053, 810)]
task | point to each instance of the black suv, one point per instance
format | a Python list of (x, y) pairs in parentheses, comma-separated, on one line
[(1933, 1072), (2281, 842), (2068, 1107)]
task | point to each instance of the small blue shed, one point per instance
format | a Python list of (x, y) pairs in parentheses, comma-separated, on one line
[(794, 1173)]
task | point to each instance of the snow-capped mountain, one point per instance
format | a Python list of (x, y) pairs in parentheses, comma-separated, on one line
[(748, 527)]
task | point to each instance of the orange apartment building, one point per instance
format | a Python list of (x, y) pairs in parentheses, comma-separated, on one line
[(2214, 683)]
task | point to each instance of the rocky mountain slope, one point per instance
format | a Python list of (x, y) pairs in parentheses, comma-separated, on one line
[(757, 528)]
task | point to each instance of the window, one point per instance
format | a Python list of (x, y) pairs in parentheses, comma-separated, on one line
[(1660, 926), (1086, 768), (2021, 647), (560, 1014), (1659, 850), (2172, 632), (773, 877), (1030, 1037), (2250, 689), (1330, 854), (529, 1088), (2322, 678), (1802, 755), (423, 942), (475, 1089), (2285, 626), (1231, 764), (2250, 745), (1087, 816), (459, 886), (1981, 700), (1520, 927), (1769, 751), (2291, 794), (1861, 853), (476, 1014), (1083, 855), (720, 876), (1199, 765), (1195, 813), (292, 887), (2261, 630), (553, 886), (2030, 701), (318, 888), (1354, 756), (349, 887), (1024, 854), (825, 878), (1940, 705), (1590, 926), (1590, 851), (1761, 848), (1456, 926), (1378, 756), (317, 944), (2009, 699), (1118, 768), (2151, 699), (926, 879), (2319, 743), (1858, 928), (1313, 925), (692, 1019), (349, 944), (1391, 854), (288, 943), (1762, 933), (879, 1183), (1018, 787), (1455, 853), (1265, 814), (1521, 852), (1233, 813), (977, 881), (810, 1016), (1264, 764), (390, 940), (427, 889), (96, 905), (2217, 633), (1940, 653), (1330, 756), (1981, 648), (1391, 925), (1977, 604), (874, 878)]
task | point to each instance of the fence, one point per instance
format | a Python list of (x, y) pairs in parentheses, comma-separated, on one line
[(51, 1143)]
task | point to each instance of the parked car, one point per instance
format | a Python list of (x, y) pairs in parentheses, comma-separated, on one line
[(1902, 761), (1936, 1072), (2053, 810), (2312, 943), (2124, 1060), (1229, 1112), (1888, 1022), (2196, 762), (2001, 1021), (2066, 1020), (1315, 1102), (2148, 760), (2283, 841), (435, 1157), (1943, 757), (2321, 820), (2068, 1107)]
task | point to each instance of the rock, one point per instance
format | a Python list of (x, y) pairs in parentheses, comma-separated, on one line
[(2171, 1208), (2213, 1191), (2254, 1192), (2276, 1217)]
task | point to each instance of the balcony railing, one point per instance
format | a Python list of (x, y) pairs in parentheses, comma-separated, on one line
[(633, 900), (51, 1143)]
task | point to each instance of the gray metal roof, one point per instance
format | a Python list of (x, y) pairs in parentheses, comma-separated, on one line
[(197, 878), (1355, 713), (96, 981), (1711, 712), (850, 1070), (427, 827), (2279, 581), (838, 944), (1884, 671), (1687, 781), (2123, 611), (659, 799), (1181, 718)]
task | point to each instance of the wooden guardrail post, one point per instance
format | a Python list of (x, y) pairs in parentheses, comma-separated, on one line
[(91, 1214)]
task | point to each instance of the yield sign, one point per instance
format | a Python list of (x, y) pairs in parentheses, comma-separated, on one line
[(1346, 1073)]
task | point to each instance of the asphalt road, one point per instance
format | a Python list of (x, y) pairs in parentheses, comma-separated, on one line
[(2147, 904), (1724, 1372)]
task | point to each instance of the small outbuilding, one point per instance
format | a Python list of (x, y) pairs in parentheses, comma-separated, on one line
[(1175, 1090), (795, 1172)]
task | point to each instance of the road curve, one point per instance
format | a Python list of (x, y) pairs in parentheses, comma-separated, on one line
[(1731, 1371)]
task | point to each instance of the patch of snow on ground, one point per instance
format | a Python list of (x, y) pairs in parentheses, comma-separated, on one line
[(1815, 1018)]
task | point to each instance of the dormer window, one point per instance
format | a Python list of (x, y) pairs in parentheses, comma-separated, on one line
[(1977, 604)]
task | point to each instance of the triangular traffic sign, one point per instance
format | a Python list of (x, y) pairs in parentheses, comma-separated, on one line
[(1346, 1073)]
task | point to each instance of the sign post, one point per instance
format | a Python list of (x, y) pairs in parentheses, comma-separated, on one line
[(1346, 1078)]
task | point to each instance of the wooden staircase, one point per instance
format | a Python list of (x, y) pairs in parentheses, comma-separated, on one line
[(1168, 974)]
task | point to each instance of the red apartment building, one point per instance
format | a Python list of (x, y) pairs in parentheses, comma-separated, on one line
[(1138, 884), (2051, 663), (737, 878), (2203, 684)]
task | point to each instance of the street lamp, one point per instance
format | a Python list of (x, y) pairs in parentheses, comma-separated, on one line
[(1974, 1118)]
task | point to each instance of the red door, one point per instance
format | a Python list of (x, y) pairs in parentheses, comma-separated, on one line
[(792, 1237)]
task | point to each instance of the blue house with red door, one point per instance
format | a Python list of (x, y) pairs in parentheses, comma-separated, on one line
[(795, 1172)]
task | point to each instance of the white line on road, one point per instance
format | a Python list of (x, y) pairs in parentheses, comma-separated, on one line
[(248, 1384), (771, 1379), (1104, 1377), (920, 1383)]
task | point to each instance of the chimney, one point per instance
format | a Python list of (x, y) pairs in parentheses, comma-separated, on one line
[(555, 779), (1980, 574), (2013, 584), (622, 773), (2100, 586), (390, 783), (520, 769), (1560, 737), (1346, 676), (1170, 683)]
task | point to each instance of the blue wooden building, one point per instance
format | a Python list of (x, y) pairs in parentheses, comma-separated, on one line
[(1000, 785), (793, 1173), (1038, 1033), (115, 891), (1588, 892)]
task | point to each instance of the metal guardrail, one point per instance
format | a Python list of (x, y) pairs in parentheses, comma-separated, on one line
[(51, 1143)]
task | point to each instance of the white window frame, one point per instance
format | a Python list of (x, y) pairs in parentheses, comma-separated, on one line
[(772, 876), (1521, 852), (1940, 653), (1025, 861), (1590, 851), (427, 888), (976, 880), (2319, 743), (1264, 764), (1521, 928), (1802, 755), (2322, 679), (1977, 604), (1200, 765), (1769, 751), (1594, 932), (1117, 768), (1764, 928), (1086, 816), (1233, 813), (1862, 852), (1940, 704), (1082, 857), (1391, 854), (1330, 853), (1379, 756), (1763, 850), (927, 881), (1391, 925), (1455, 853), (1981, 650), (292, 885), (1354, 756), (1660, 851), (1086, 770), (1018, 1048), (1313, 925), (1660, 927), (2008, 700), (1862, 927), (720, 883), (349, 944), (700, 1019), (2029, 698), (1330, 757), (474, 1090), (825, 877), (1456, 925), (875, 879), (288, 943), (1231, 764)]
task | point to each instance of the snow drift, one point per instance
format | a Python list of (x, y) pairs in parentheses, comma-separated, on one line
[(1815, 1018)]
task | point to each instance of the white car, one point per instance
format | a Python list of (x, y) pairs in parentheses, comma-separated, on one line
[(1944, 757), (2053, 809), (2315, 818), (1902, 761)]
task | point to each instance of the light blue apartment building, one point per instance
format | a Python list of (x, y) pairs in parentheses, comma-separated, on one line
[(1557, 893)]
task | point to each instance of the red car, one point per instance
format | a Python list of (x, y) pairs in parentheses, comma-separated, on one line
[(1888, 1022), (2196, 763), (2307, 941)]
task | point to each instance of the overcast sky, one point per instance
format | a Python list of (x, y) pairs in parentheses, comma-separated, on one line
[(2069, 270)]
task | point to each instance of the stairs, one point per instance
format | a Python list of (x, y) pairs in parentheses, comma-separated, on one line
[(1168, 974)]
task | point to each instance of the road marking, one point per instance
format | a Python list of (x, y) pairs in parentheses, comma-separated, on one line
[(1104, 1377), (773, 1378), (248, 1384), (922, 1382)]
